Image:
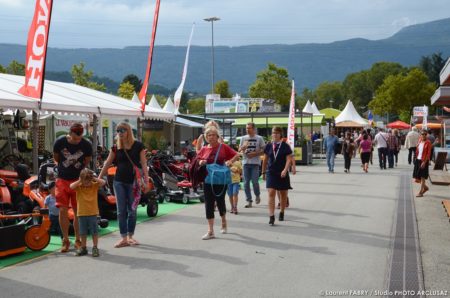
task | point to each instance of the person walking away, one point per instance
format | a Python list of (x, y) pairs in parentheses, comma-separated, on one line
[(392, 145), (53, 211), (275, 168), (381, 141), (86, 188), (71, 153), (127, 154), (233, 187), (365, 148), (411, 141), (399, 145), (330, 143), (215, 193), (252, 147), (423, 153), (348, 148)]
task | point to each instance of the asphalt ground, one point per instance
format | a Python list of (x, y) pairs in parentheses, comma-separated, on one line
[(337, 237)]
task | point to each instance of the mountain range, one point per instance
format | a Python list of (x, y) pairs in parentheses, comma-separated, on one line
[(309, 64)]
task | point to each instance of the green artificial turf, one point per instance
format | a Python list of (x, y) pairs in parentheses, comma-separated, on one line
[(55, 242)]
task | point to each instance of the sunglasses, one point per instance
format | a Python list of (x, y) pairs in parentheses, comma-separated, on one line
[(121, 130), (77, 132)]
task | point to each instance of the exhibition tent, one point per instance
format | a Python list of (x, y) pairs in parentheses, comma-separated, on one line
[(349, 117)]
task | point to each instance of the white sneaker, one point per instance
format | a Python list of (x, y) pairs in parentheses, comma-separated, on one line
[(208, 236), (223, 230), (258, 200)]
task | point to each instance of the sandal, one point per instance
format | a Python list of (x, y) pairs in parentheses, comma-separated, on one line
[(419, 195), (132, 241), (425, 190), (121, 243)]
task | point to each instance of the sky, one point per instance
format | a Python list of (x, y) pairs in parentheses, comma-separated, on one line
[(121, 23)]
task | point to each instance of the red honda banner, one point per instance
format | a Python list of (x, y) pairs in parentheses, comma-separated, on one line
[(143, 91), (37, 50)]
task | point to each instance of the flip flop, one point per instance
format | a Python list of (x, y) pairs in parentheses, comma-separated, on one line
[(419, 195), (121, 243)]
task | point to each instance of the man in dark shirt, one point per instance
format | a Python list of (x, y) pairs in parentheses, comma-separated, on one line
[(71, 153)]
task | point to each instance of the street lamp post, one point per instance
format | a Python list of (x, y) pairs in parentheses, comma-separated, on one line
[(331, 103), (212, 20)]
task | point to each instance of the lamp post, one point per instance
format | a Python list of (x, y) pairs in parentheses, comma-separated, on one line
[(212, 20), (331, 103)]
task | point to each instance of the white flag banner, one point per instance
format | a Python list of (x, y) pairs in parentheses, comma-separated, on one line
[(179, 92), (425, 115), (291, 124)]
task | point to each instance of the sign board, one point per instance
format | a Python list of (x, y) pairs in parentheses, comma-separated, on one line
[(420, 111)]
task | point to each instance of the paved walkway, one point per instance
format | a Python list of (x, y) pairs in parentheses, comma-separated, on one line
[(338, 236)]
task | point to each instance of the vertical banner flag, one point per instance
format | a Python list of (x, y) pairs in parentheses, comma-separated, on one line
[(37, 50), (370, 118), (291, 124), (179, 92), (425, 115), (143, 91)]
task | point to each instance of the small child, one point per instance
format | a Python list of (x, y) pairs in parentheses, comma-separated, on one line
[(233, 188), (50, 204), (86, 188)]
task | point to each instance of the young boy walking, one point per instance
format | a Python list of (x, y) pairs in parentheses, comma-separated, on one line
[(233, 188), (86, 188)]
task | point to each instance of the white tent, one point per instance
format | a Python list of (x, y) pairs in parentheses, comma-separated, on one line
[(315, 109), (169, 106), (350, 116), (71, 98), (308, 108), (136, 99), (154, 103)]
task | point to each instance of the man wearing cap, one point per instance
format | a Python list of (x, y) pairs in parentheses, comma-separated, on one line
[(71, 153)]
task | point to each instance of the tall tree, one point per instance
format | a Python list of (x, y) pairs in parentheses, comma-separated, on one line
[(2, 69), (196, 105), (133, 80), (330, 91), (16, 68), (222, 88), (356, 87), (83, 78), (302, 98), (400, 93), (272, 83), (126, 90), (432, 66)]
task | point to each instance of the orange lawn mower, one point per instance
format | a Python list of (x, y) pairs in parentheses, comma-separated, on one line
[(17, 237)]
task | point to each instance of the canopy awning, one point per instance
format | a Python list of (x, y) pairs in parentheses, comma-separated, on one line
[(349, 124), (330, 112), (398, 125), (441, 96), (281, 121), (71, 98), (185, 122), (430, 125)]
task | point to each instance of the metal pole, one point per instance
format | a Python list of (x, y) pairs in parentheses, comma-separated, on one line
[(35, 143), (212, 53), (94, 141)]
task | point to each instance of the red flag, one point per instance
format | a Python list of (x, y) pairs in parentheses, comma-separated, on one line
[(37, 50), (143, 91)]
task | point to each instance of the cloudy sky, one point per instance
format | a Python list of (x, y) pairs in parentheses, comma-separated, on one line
[(120, 23)]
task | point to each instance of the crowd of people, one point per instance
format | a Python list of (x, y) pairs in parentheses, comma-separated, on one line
[(76, 185)]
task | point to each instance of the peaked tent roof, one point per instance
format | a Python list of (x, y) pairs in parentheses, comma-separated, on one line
[(135, 98), (71, 98), (315, 109), (350, 114), (169, 106), (154, 103), (308, 108)]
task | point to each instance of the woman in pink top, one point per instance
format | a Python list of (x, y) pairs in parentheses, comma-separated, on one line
[(365, 147)]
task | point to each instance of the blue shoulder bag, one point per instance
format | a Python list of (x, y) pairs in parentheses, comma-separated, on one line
[(218, 174)]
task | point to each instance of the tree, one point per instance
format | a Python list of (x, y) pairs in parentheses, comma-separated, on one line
[(272, 83), (16, 68), (381, 70), (184, 103), (400, 93), (356, 87), (126, 90), (432, 66), (307, 94), (327, 91), (83, 78), (2, 69), (222, 88), (196, 105), (133, 80)]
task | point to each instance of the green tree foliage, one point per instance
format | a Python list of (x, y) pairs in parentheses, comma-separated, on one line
[(196, 105), (16, 68), (133, 80), (222, 88), (302, 98), (432, 66), (400, 93), (184, 103), (83, 78), (381, 70), (2, 69), (327, 91), (357, 88), (126, 90), (161, 99), (272, 83)]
